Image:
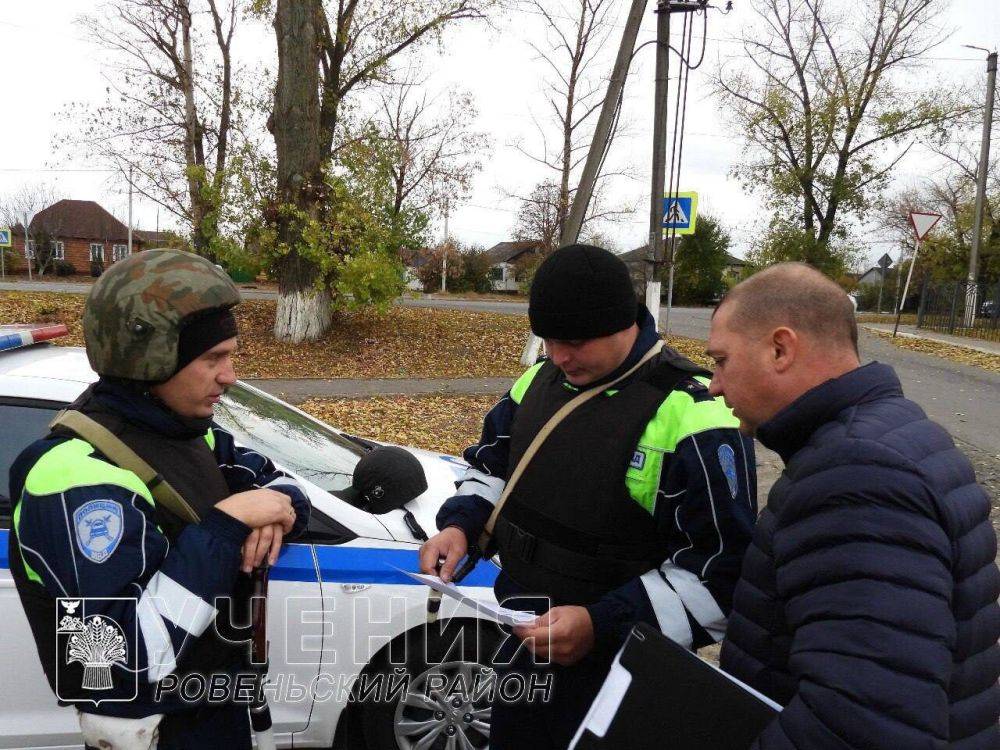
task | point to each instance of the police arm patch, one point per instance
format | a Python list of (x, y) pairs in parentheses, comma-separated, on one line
[(99, 525), (727, 461)]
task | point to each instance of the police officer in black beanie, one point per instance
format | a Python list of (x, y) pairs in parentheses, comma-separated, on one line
[(637, 507)]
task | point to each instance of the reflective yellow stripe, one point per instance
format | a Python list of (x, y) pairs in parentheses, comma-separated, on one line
[(71, 464), (520, 386), (678, 417), (28, 570)]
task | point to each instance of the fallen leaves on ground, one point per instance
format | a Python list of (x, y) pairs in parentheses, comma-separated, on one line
[(693, 349), (446, 424), (406, 342), (959, 354), (907, 319), (45, 307), (403, 343)]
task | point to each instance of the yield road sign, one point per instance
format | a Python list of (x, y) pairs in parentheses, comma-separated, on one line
[(4, 238), (680, 213), (923, 222)]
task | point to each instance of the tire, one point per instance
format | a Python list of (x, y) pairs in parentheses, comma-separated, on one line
[(430, 717)]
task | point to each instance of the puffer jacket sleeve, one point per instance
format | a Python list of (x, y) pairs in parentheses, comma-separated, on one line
[(866, 577)]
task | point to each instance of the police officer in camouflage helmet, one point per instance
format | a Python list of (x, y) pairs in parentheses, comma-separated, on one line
[(160, 333), (137, 309)]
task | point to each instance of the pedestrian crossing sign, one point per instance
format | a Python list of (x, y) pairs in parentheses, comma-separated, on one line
[(680, 213), (4, 238)]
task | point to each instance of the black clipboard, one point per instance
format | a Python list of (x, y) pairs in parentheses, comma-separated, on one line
[(660, 695)]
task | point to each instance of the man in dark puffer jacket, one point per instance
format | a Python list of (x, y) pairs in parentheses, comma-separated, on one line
[(867, 604)]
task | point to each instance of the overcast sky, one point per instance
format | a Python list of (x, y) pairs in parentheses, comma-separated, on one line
[(47, 62)]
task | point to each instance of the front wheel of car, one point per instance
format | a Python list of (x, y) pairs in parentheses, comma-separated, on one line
[(445, 703)]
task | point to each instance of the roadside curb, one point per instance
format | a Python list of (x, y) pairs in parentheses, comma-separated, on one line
[(876, 327)]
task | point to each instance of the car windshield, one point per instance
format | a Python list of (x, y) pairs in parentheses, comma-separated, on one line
[(289, 438)]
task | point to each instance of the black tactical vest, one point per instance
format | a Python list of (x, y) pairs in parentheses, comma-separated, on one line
[(570, 530), (190, 466)]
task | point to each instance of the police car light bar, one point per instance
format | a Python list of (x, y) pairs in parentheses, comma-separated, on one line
[(16, 336)]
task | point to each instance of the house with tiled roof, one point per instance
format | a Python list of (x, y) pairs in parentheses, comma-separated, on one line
[(503, 259), (79, 233)]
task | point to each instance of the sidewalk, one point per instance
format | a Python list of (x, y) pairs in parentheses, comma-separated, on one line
[(979, 345), (302, 389)]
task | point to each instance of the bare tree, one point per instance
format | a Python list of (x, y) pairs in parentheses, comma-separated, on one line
[(576, 32), (354, 44), (436, 152), (823, 95), (951, 192), (358, 40), (169, 114), (19, 209), (538, 217)]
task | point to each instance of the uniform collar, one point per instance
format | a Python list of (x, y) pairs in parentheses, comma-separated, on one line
[(133, 402)]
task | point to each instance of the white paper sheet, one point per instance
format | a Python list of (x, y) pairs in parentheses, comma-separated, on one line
[(488, 609)]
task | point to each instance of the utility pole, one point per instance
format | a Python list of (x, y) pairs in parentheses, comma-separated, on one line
[(602, 132), (444, 251), (28, 254), (971, 295), (659, 158), (129, 251), (598, 146)]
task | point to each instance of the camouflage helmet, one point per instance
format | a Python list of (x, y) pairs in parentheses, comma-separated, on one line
[(136, 310)]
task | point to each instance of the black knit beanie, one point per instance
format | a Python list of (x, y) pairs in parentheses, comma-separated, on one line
[(202, 333), (581, 292)]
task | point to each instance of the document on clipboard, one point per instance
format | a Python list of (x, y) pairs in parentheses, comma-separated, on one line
[(492, 611), (659, 694)]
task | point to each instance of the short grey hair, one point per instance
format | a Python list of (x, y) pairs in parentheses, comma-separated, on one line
[(795, 295)]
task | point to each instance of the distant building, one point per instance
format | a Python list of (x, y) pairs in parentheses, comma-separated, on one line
[(150, 239), (734, 266), (640, 268), (503, 259), (79, 233), (413, 260), (871, 277)]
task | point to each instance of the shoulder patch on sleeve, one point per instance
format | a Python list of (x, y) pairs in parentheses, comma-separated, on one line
[(727, 461), (98, 525)]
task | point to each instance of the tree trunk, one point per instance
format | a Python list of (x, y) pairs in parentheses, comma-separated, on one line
[(194, 150), (304, 310)]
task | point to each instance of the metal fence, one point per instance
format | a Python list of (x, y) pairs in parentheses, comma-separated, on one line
[(961, 309)]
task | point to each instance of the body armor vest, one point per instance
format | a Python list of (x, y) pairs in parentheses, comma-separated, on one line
[(570, 530)]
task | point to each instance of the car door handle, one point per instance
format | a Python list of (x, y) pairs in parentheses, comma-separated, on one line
[(355, 588)]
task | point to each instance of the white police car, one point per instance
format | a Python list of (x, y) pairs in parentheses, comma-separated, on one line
[(343, 618)]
